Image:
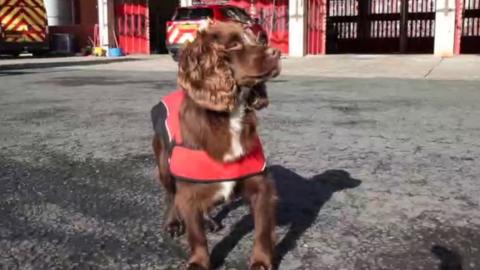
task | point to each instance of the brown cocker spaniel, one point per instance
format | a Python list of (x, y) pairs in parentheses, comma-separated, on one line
[(222, 76)]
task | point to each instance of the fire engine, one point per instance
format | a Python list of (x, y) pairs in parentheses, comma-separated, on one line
[(23, 27), (186, 21)]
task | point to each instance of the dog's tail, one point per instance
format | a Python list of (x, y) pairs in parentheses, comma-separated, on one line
[(161, 146), (162, 171)]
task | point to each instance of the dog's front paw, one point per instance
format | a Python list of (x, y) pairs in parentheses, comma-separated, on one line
[(195, 266), (259, 266), (260, 103), (175, 228), (212, 225)]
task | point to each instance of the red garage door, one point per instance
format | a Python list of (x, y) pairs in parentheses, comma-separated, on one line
[(316, 26), (131, 26)]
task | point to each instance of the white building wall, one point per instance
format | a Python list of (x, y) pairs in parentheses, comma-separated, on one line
[(297, 38), (444, 28)]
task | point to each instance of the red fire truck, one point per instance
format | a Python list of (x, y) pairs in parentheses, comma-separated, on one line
[(23, 27), (186, 21)]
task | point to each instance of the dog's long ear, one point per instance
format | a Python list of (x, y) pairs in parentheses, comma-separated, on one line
[(204, 73)]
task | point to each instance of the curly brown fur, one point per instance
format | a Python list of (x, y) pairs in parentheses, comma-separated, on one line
[(219, 61), (207, 80)]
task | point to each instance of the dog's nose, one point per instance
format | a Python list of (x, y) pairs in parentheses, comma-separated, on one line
[(273, 52)]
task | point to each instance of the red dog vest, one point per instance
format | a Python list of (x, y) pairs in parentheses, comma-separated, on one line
[(196, 165)]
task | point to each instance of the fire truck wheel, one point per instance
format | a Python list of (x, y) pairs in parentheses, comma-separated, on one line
[(39, 53)]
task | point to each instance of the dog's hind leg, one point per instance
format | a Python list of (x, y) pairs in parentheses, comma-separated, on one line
[(260, 193)]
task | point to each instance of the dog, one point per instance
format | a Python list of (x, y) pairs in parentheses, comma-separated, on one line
[(206, 144)]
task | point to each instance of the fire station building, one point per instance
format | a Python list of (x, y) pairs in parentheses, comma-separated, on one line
[(296, 27)]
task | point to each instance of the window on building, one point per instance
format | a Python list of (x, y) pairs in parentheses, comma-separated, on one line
[(193, 14), (236, 14), (63, 12)]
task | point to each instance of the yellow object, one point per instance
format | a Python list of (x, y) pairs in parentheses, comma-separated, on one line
[(99, 51)]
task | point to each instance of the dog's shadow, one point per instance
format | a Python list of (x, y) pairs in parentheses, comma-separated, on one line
[(449, 259), (300, 201)]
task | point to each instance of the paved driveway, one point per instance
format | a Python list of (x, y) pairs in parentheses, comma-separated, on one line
[(372, 173)]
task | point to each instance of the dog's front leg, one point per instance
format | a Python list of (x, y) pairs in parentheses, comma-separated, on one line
[(192, 215), (260, 193)]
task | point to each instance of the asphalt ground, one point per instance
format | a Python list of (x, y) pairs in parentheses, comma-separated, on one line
[(372, 173)]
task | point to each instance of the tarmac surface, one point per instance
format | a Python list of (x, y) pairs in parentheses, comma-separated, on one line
[(373, 172)]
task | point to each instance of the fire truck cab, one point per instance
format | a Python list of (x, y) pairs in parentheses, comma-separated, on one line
[(23, 27)]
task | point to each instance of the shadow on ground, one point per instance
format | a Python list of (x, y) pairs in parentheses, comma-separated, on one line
[(449, 259), (77, 81), (60, 212), (300, 201), (12, 73), (52, 64)]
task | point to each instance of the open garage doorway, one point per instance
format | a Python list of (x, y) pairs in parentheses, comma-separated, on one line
[(141, 24), (160, 12)]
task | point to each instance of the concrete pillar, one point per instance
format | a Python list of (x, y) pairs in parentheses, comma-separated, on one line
[(444, 28), (106, 23), (297, 27)]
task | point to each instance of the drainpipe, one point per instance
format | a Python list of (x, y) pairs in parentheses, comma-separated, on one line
[(458, 26), (252, 9)]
